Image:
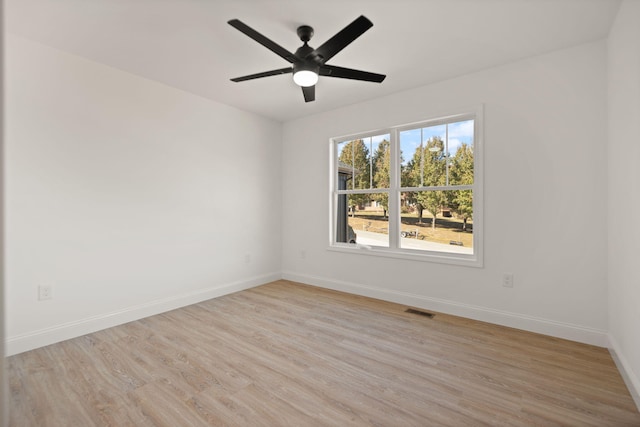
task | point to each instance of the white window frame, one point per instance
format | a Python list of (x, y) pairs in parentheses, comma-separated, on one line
[(394, 250)]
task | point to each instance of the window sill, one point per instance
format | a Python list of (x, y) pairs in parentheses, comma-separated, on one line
[(436, 257)]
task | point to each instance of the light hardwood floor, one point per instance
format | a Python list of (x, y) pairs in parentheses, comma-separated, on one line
[(286, 354)]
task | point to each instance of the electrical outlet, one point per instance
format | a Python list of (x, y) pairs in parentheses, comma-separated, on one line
[(247, 258), (44, 293), (507, 280), (303, 254)]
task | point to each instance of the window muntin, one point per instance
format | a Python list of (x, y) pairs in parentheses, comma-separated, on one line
[(416, 170)]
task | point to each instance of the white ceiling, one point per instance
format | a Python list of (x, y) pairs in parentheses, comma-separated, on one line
[(187, 44)]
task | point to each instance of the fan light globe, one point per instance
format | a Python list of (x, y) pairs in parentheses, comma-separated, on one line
[(305, 78)]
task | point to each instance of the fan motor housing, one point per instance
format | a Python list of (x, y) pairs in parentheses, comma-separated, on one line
[(304, 51)]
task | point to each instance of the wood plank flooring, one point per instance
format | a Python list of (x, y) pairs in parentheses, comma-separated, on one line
[(286, 354)]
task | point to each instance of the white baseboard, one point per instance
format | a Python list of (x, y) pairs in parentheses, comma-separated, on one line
[(40, 338), (629, 377), (528, 323), (20, 343)]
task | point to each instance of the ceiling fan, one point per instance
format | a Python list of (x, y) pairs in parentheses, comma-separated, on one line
[(308, 63)]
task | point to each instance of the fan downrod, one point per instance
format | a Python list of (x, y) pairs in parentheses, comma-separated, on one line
[(305, 33)]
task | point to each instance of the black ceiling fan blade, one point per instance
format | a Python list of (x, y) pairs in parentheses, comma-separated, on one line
[(350, 73), (264, 41), (263, 74), (309, 93), (342, 39)]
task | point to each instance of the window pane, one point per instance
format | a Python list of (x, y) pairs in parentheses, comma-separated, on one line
[(380, 160), (410, 157), (434, 161), (353, 159), (450, 230), (363, 219), (366, 161), (460, 143), (423, 157)]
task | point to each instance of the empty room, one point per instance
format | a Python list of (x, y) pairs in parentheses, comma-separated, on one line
[(288, 213)]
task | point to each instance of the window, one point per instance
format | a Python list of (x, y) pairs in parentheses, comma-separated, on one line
[(411, 191)]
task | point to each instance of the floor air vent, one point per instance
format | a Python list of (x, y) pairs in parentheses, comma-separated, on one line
[(421, 313)]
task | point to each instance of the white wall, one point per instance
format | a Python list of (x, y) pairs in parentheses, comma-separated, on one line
[(624, 192), (545, 198), (4, 395), (128, 197)]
